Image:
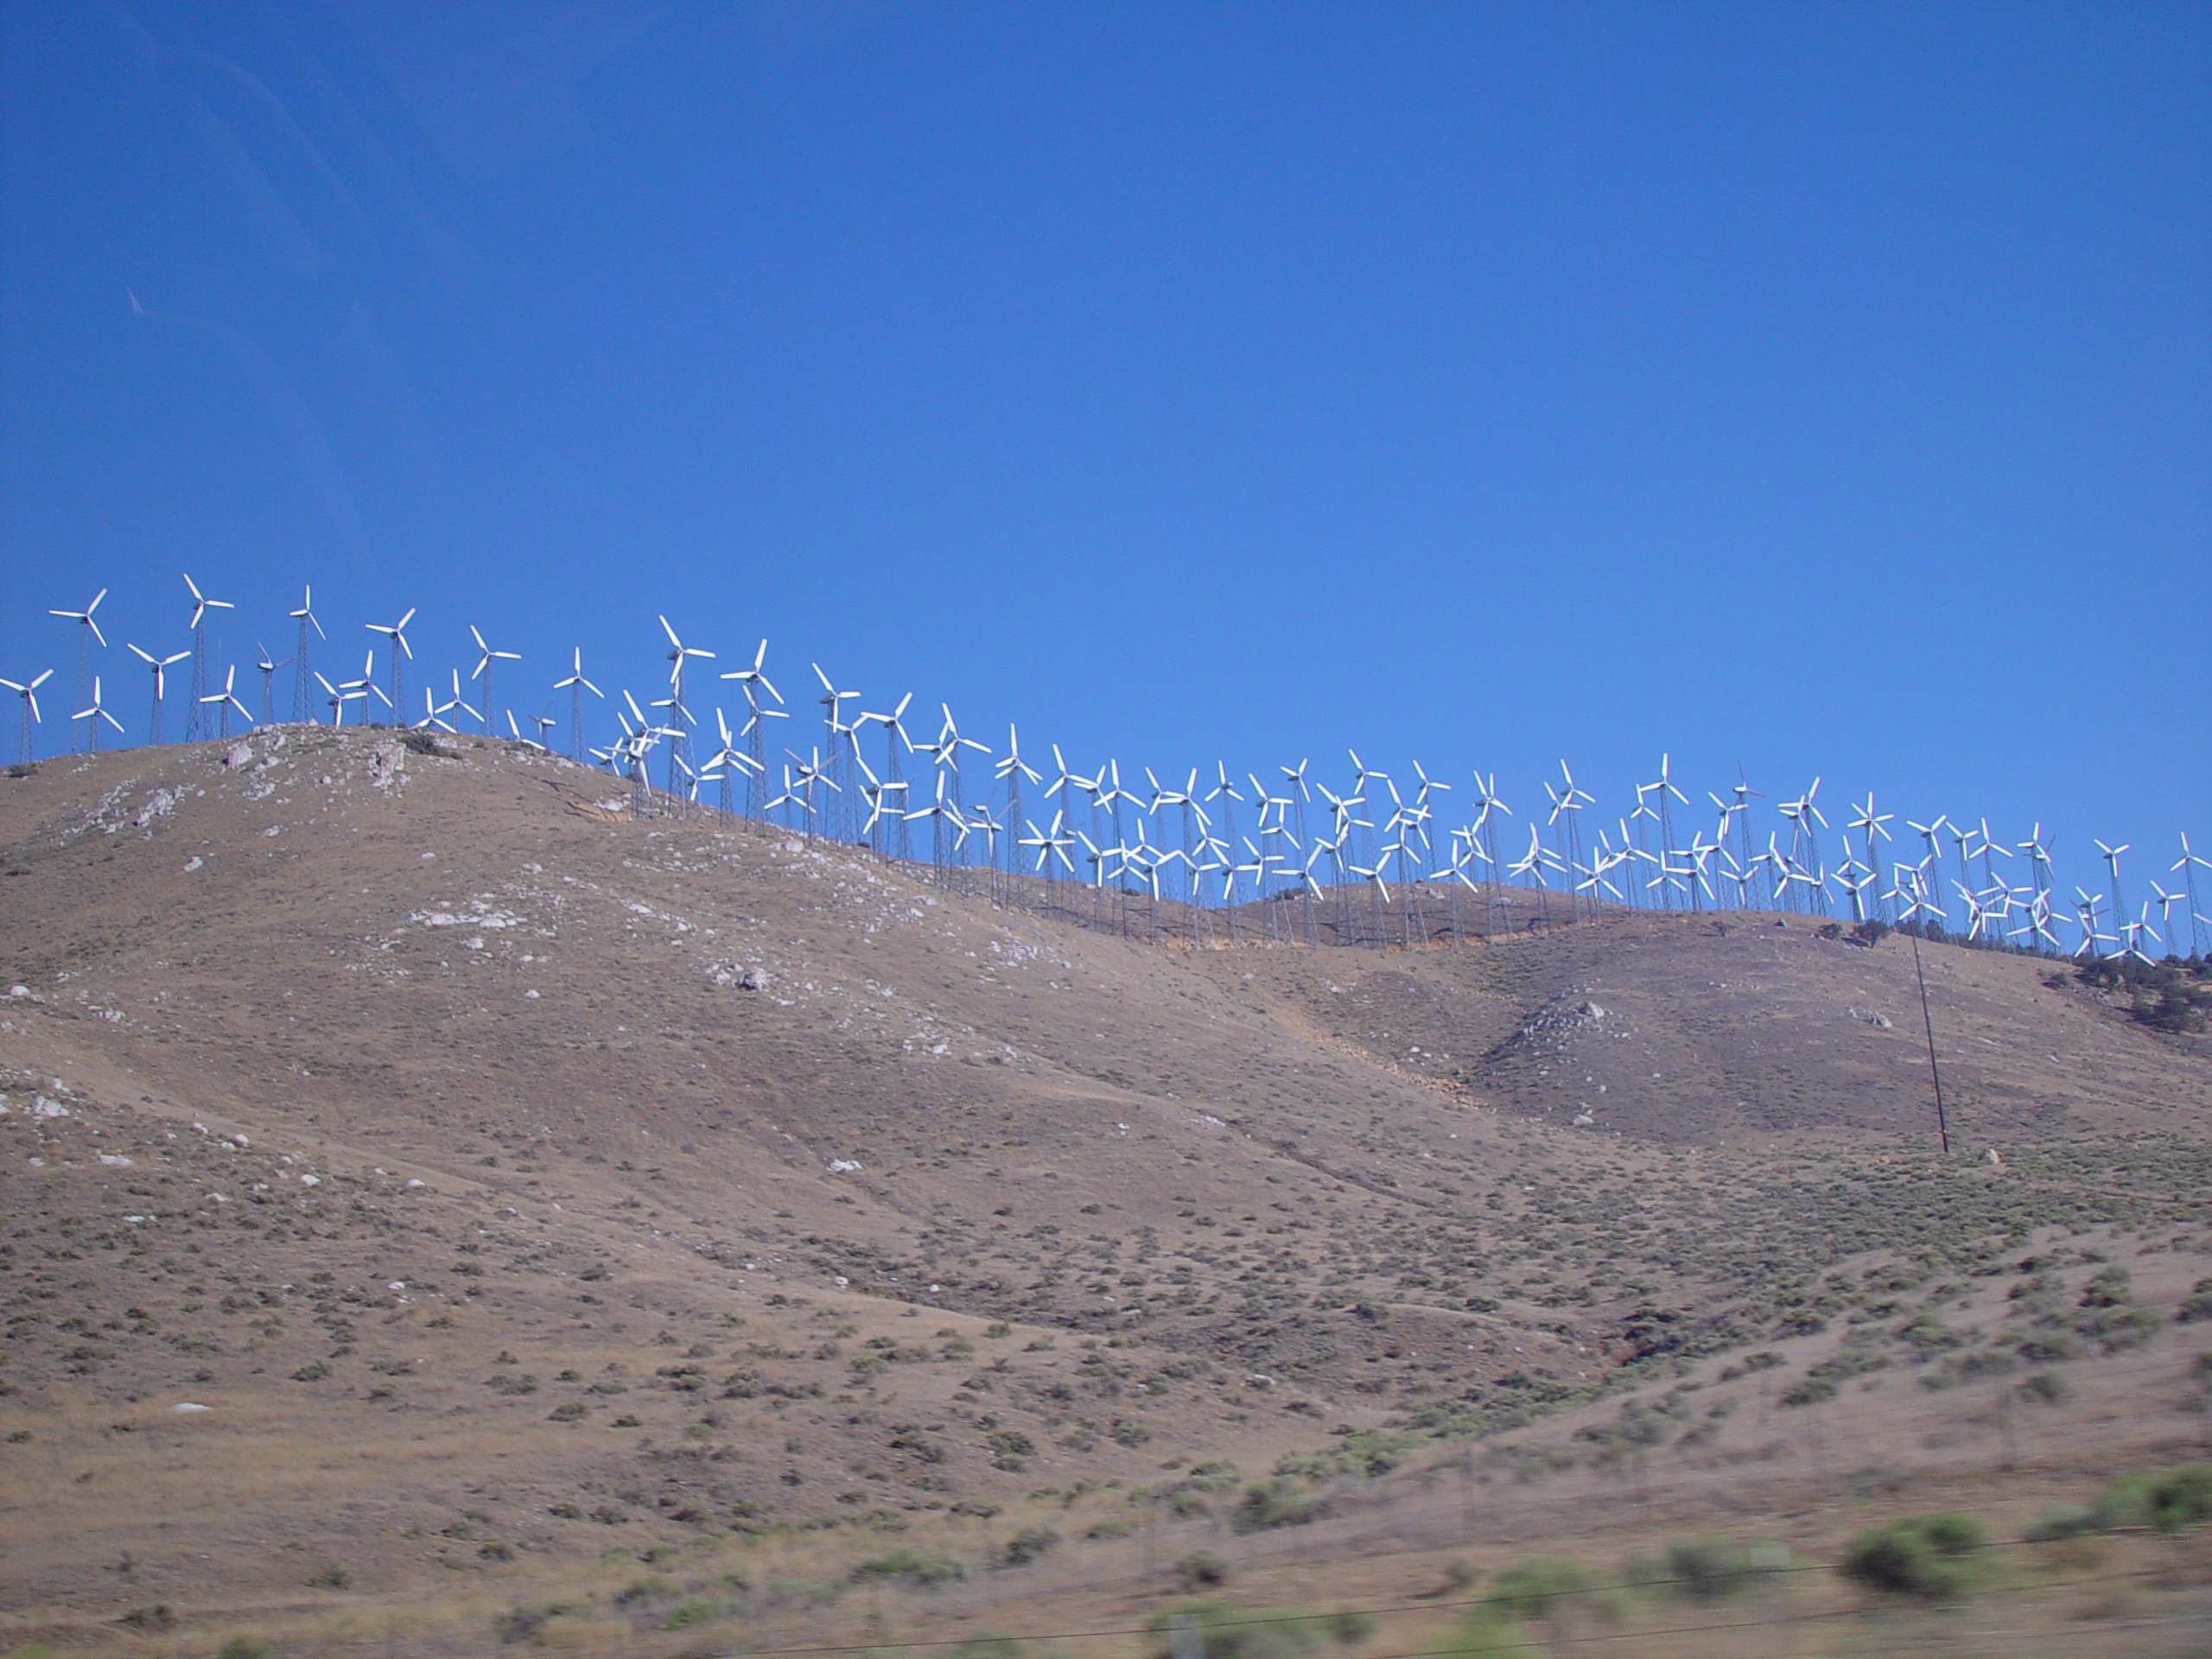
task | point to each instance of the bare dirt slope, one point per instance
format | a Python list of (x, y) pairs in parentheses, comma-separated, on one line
[(513, 1179)]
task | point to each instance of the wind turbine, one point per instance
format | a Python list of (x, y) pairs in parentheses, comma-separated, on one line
[(267, 681), (1486, 801), (726, 758), (1933, 859), (679, 729), (161, 666), (92, 715), (1570, 802), (896, 745), (1745, 795), (27, 693), (397, 633), (575, 685), (841, 741), (365, 687), (87, 631), (2187, 866), (1871, 825), (755, 680), (2111, 856), (195, 724), (227, 699), (1011, 769), (301, 668), (486, 658), (2166, 901), (1663, 789)]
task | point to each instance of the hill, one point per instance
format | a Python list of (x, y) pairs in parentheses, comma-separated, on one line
[(514, 1182)]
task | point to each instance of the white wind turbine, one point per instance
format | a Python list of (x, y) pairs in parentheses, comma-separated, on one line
[(726, 758), (753, 681), (1748, 862), (2111, 856), (27, 695), (896, 747), (161, 667), (302, 706), (87, 631), (484, 657), (1663, 789), (362, 690), (2166, 901), (1871, 825), (2186, 866), (1569, 803), (841, 741), (195, 724), (227, 699), (575, 685), (1931, 860), (1010, 769), (397, 633), (678, 731), (92, 715), (267, 668)]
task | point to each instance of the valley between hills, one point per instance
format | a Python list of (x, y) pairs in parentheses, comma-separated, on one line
[(444, 1212)]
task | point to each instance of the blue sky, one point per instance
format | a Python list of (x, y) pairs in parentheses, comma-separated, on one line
[(1819, 387)]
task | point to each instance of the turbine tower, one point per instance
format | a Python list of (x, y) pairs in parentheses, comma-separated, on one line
[(196, 722), (87, 631), (267, 669), (92, 715), (575, 685), (678, 731), (302, 670), (2186, 866), (397, 633), (754, 681), (2111, 856), (161, 667), (27, 694), (486, 657)]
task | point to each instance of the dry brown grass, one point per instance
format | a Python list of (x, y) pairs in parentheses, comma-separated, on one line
[(1223, 1202)]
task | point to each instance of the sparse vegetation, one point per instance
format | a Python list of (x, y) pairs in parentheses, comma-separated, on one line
[(1934, 1557)]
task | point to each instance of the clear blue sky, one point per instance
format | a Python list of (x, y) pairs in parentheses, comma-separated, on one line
[(1823, 387)]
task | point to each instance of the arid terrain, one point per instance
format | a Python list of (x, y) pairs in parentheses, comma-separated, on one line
[(444, 1212)]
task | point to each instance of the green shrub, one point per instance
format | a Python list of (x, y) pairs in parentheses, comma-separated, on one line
[(698, 1609), (1931, 1556), (911, 1568), (1706, 1569), (1536, 1588), (1238, 1632), (1277, 1503), (1029, 1544), (2167, 1500), (245, 1647)]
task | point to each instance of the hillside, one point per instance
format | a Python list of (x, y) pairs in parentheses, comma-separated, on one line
[(513, 1182)]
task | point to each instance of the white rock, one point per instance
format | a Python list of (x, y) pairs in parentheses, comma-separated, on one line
[(190, 1405)]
